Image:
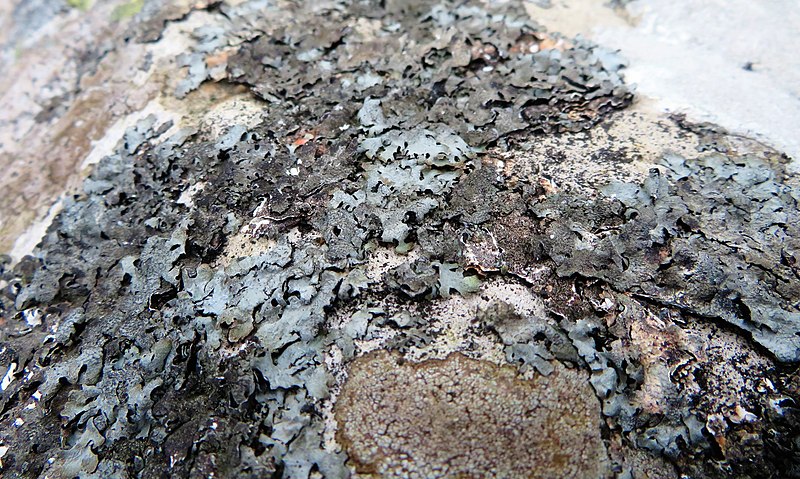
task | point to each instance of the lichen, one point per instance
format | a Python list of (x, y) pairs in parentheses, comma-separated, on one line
[(460, 417), (194, 310), (126, 10)]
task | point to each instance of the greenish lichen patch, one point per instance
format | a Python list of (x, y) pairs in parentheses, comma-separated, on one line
[(127, 10)]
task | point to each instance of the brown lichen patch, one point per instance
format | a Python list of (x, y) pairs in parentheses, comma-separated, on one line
[(465, 418)]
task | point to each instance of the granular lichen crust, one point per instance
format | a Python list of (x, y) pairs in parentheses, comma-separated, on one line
[(464, 418)]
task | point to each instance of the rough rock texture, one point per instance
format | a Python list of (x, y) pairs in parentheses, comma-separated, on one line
[(439, 179)]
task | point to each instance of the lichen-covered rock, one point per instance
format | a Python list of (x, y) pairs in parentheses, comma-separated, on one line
[(423, 177)]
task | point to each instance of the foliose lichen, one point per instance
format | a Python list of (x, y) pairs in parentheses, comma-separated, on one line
[(139, 343)]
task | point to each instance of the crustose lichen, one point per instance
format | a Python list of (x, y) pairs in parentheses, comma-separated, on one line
[(461, 417)]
